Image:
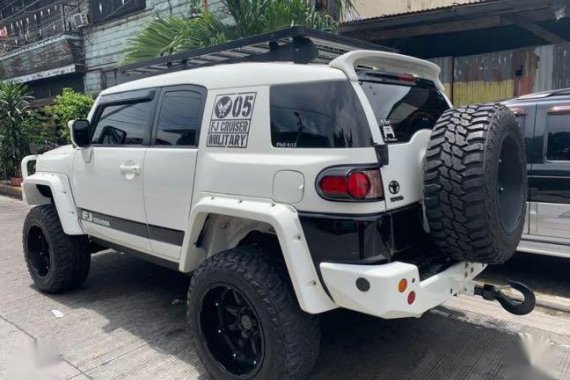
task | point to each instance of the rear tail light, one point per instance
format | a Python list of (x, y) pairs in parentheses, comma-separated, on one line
[(350, 184)]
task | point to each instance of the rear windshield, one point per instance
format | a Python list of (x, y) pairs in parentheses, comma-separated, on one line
[(403, 109), (318, 115)]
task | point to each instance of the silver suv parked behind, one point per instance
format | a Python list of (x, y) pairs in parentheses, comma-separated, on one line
[(545, 119)]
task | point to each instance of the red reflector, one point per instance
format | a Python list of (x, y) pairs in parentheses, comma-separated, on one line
[(334, 185), (358, 185), (411, 297)]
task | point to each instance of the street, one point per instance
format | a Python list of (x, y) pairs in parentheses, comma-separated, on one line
[(127, 321)]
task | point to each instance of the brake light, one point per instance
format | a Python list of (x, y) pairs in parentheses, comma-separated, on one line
[(407, 78), (334, 185), (358, 185), (349, 184)]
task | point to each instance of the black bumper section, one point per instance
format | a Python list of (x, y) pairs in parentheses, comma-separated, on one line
[(363, 239)]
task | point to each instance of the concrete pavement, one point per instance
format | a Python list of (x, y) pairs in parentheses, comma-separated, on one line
[(128, 322)]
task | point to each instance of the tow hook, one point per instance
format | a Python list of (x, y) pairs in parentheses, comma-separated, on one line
[(512, 305)]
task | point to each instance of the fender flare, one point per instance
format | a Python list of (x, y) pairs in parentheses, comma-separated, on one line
[(283, 218), (62, 198)]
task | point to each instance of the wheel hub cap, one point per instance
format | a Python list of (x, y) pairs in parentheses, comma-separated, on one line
[(232, 331)]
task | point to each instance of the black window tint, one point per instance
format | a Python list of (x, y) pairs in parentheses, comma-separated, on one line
[(180, 118), (558, 146), (122, 124), (318, 115), (403, 110)]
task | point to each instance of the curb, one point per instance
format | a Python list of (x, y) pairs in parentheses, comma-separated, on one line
[(11, 191)]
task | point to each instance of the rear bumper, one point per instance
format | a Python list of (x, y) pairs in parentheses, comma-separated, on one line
[(383, 298)]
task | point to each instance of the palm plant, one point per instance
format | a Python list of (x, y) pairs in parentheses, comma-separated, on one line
[(14, 111), (248, 17)]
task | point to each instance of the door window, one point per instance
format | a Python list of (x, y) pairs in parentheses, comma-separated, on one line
[(558, 143), (122, 124), (179, 119)]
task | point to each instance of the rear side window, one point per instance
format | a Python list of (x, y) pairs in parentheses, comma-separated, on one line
[(318, 115), (179, 119), (558, 145), (402, 110), (122, 124)]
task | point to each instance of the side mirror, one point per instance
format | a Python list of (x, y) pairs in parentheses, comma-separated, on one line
[(80, 133)]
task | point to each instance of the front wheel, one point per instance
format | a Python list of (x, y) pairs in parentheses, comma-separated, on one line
[(57, 262), (245, 320)]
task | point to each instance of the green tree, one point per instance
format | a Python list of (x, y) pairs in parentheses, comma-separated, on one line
[(69, 105), (248, 17), (14, 112)]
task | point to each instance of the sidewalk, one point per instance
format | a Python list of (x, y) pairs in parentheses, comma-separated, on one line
[(10, 191), (128, 322)]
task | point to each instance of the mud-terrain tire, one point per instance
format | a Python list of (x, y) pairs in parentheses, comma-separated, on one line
[(266, 307), (57, 262), (475, 183)]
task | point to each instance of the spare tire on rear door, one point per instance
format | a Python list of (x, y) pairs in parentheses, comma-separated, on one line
[(475, 183)]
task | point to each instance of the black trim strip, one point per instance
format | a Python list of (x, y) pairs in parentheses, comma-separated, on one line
[(166, 235), (163, 234)]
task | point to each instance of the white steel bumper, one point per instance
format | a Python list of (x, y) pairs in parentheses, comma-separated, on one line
[(384, 297)]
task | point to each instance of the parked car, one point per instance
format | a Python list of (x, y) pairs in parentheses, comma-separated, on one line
[(545, 119), (287, 190)]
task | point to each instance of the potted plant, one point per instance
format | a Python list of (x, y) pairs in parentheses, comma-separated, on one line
[(14, 112)]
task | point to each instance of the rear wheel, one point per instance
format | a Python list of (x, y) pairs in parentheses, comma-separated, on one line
[(245, 320), (475, 183), (57, 262)]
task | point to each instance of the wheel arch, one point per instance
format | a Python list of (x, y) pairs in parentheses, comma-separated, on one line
[(211, 219), (46, 188)]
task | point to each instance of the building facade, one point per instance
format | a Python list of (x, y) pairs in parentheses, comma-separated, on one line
[(488, 50), (53, 44), (365, 9), (40, 46)]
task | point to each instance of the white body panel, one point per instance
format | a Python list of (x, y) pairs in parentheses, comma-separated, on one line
[(59, 160), (62, 196), (103, 182), (283, 219), (406, 168), (383, 299), (387, 62), (168, 182)]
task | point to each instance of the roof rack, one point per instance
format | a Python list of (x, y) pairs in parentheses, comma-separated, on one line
[(296, 44)]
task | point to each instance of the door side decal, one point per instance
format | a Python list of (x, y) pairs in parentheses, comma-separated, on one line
[(231, 120), (163, 234)]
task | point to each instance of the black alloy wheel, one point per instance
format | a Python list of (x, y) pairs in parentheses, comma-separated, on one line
[(57, 262), (232, 331), (39, 251), (510, 181), (245, 321)]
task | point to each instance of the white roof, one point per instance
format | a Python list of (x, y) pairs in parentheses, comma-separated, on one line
[(269, 73), (236, 75)]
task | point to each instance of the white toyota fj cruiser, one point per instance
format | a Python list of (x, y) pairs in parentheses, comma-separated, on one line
[(287, 190)]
